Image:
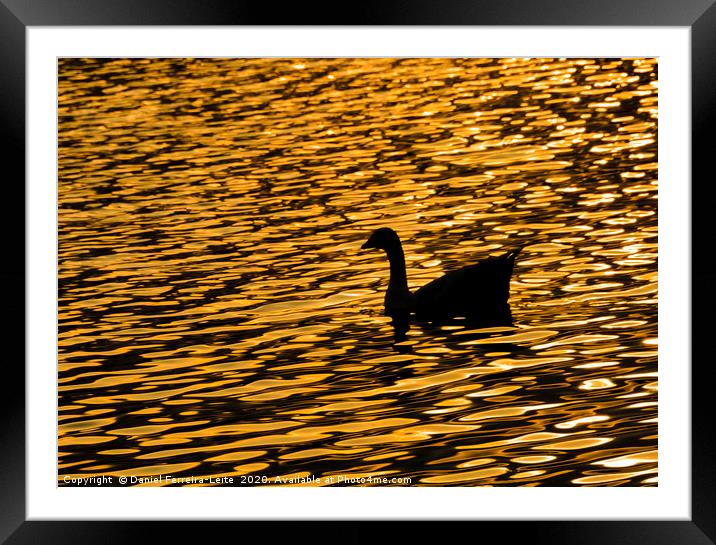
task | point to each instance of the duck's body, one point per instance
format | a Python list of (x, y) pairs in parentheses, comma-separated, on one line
[(478, 292)]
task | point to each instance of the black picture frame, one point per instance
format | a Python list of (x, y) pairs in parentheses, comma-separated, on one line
[(17, 15)]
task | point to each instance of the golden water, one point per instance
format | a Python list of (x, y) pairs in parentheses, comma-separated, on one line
[(217, 318)]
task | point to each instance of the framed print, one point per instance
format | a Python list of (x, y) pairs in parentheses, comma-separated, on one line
[(413, 266)]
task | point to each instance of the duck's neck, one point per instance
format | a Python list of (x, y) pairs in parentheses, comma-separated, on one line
[(398, 276)]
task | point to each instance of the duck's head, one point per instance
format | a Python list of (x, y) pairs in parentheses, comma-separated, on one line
[(383, 239)]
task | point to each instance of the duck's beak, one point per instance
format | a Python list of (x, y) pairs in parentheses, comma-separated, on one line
[(367, 245)]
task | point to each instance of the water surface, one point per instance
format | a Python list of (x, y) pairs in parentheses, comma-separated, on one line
[(217, 318)]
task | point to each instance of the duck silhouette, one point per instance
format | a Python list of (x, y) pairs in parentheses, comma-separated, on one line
[(477, 292)]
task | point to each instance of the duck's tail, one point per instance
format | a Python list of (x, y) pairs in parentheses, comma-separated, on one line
[(513, 254)]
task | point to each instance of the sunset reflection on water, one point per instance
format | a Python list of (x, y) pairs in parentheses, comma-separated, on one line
[(217, 318)]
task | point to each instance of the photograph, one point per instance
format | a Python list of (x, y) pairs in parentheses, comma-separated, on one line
[(357, 272)]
